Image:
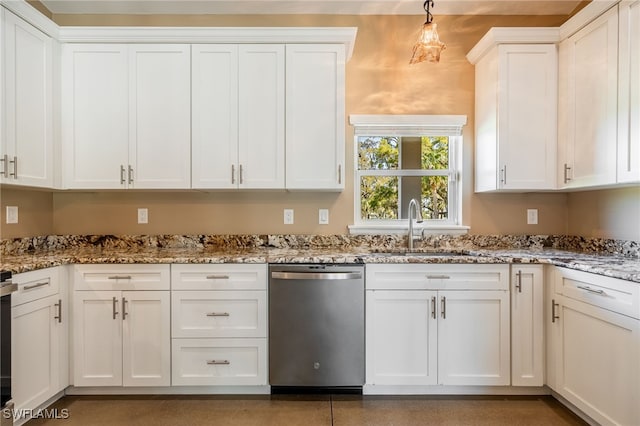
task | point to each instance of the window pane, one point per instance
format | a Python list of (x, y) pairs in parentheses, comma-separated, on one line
[(377, 153), (435, 153), (379, 197), (435, 197)]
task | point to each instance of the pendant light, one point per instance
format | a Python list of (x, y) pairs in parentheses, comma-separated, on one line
[(428, 46)]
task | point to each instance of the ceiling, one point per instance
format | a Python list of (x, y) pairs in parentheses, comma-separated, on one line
[(332, 7)]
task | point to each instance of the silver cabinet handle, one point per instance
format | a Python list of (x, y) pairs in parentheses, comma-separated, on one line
[(590, 290), (59, 316), (339, 173), (114, 306), (554, 317), (32, 286), (519, 281), (218, 362), (130, 175), (122, 181), (119, 277), (444, 307), (217, 277), (218, 314), (433, 307), (566, 173), (15, 168), (124, 308), (503, 175), (438, 277), (233, 174), (241, 175), (316, 275), (5, 165)]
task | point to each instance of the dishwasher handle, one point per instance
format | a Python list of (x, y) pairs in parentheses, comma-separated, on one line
[(316, 275)]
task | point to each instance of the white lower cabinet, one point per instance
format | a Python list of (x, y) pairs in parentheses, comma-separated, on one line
[(219, 325), (121, 337), (39, 324), (596, 356), (437, 324), (527, 325)]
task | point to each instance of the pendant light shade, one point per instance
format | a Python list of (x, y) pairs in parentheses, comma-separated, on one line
[(428, 46)]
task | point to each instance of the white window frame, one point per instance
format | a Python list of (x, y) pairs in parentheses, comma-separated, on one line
[(412, 125)]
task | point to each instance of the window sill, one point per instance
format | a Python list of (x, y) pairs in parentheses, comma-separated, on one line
[(403, 228)]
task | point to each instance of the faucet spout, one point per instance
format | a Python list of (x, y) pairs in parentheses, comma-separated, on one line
[(413, 211)]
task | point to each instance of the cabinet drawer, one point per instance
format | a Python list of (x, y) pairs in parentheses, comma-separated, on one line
[(35, 285), (437, 277), (616, 295), (219, 313), (210, 362), (219, 277), (121, 277)]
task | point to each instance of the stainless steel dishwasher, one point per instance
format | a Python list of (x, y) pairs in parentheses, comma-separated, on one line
[(316, 327)]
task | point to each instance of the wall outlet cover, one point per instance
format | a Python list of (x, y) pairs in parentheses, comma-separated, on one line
[(323, 216), (532, 216), (12, 214), (143, 216), (288, 216)]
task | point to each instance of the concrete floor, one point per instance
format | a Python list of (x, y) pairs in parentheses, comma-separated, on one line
[(308, 410)]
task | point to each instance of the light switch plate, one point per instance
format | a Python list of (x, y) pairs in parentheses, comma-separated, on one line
[(323, 216), (288, 216), (143, 216), (532, 216), (12, 214)]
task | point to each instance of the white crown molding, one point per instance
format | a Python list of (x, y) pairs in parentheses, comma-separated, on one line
[(317, 35), (513, 35), (408, 125), (584, 16), (27, 12)]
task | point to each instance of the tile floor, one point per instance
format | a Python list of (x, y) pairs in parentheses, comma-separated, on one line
[(308, 410)]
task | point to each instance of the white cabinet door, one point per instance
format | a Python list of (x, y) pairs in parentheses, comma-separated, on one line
[(401, 338), (160, 121), (473, 338), (315, 116), (97, 338), (516, 141), (527, 344), (629, 93), (588, 104), (27, 155), (95, 116), (146, 335), (214, 117), (598, 362), (261, 116), (35, 352)]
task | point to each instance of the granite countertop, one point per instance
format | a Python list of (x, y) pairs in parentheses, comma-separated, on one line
[(612, 265)]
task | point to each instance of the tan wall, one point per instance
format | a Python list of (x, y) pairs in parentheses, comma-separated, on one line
[(379, 81), (612, 213), (35, 213)]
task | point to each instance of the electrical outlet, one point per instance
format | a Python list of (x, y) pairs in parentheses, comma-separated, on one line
[(288, 216), (143, 216), (323, 216), (532, 216), (12, 214)]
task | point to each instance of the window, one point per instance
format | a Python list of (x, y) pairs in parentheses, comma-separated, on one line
[(401, 157)]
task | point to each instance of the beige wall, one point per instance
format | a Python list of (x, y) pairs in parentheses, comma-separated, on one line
[(35, 213), (379, 81)]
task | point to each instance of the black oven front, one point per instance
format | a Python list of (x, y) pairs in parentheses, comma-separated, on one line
[(6, 288)]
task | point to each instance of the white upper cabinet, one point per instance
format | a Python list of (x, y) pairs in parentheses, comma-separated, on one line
[(238, 116), (516, 118), (588, 87), (26, 154), (315, 116), (126, 116), (629, 93)]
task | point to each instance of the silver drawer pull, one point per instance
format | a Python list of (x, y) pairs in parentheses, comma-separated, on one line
[(120, 277), (218, 314), (590, 290), (438, 277), (218, 362), (32, 286), (217, 277)]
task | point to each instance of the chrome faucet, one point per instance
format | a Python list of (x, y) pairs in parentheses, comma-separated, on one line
[(413, 207)]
